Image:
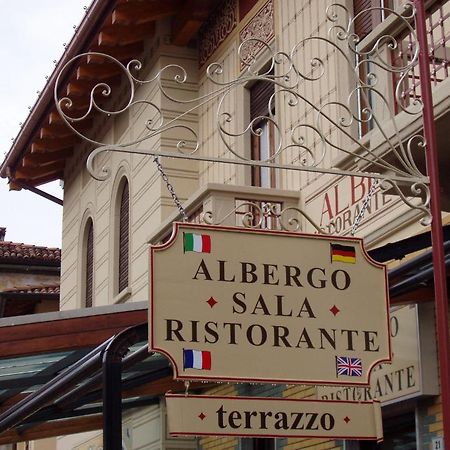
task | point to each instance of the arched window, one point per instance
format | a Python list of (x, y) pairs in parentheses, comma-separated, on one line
[(123, 235), (89, 264)]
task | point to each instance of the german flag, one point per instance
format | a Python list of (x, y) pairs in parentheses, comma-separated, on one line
[(343, 253)]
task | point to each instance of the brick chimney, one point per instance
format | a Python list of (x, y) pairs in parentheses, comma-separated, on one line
[(2, 233)]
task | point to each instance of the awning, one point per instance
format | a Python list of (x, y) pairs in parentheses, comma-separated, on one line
[(51, 375)]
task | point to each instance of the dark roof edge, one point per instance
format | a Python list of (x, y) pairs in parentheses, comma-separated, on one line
[(95, 15), (399, 249), (74, 313)]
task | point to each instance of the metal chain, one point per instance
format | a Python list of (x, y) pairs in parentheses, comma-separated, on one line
[(170, 188), (364, 206)]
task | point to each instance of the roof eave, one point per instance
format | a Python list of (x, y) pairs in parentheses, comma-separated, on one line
[(94, 16)]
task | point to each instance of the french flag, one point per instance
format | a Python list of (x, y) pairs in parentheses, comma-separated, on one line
[(196, 359)]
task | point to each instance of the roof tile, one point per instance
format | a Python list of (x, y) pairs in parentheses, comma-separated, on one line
[(36, 289), (13, 252)]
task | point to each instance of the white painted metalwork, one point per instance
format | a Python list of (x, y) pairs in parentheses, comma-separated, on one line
[(289, 218), (395, 167)]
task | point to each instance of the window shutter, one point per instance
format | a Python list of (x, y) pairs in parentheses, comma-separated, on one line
[(260, 94), (369, 19), (89, 265), (124, 221)]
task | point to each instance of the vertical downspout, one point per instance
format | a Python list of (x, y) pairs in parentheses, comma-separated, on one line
[(440, 276), (112, 383)]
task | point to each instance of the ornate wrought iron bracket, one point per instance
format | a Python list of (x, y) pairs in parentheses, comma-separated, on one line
[(366, 105)]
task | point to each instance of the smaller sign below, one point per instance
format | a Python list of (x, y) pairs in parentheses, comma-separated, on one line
[(201, 415)]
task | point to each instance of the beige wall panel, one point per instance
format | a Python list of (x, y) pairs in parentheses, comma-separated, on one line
[(145, 187), (147, 424), (72, 441), (208, 128)]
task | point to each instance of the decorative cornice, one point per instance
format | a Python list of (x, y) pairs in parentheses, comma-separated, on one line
[(260, 29), (218, 27)]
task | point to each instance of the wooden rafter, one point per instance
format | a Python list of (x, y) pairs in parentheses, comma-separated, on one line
[(32, 173), (122, 35), (97, 72), (53, 143), (20, 340), (123, 53), (49, 429), (142, 12), (82, 88), (189, 20), (58, 175), (37, 159)]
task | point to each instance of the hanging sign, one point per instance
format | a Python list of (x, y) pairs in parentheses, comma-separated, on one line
[(267, 306), (411, 374), (199, 415)]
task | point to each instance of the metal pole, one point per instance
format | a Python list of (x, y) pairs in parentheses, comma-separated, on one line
[(112, 383), (112, 402), (440, 276)]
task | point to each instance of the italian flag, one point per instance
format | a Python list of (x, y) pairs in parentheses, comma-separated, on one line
[(200, 243), (196, 359)]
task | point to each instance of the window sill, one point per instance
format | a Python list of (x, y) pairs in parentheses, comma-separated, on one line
[(123, 295)]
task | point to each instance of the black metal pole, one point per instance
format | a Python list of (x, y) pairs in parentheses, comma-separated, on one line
[(112, 403), (112, 384)]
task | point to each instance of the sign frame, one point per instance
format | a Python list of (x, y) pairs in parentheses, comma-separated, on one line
[(303, 424), (179, 227)]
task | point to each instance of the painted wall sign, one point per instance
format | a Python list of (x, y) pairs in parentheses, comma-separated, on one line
[(270, 306), (411, 373), (336, 208), (272, 417)]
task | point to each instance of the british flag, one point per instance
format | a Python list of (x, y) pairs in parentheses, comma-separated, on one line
[(345, 365)]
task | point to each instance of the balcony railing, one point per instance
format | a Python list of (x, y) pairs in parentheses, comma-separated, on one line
[(242, 206), (438, 30)]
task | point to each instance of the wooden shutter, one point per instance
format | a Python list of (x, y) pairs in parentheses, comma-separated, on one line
[(260, 94), (89, 265), (124, 221), (368, 19)]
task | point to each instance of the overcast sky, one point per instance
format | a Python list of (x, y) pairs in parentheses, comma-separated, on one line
[(31, 38)]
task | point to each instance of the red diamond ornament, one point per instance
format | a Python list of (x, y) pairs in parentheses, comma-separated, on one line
[(201, 416), (335, 310), (211, 302), (346, 419)]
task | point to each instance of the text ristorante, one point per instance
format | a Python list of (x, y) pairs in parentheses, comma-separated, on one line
[(256, 335)]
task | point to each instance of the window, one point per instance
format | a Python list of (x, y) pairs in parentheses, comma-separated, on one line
[(123, 236), (89, 264), (262, 142), (257, 444), (368, 15)]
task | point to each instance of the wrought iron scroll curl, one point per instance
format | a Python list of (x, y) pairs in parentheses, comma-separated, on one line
[(395, 168), (255, 213)]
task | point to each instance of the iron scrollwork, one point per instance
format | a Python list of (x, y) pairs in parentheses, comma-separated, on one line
[(303, 145)]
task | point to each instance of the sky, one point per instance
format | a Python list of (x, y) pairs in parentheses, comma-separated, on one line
[(31, 38)]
